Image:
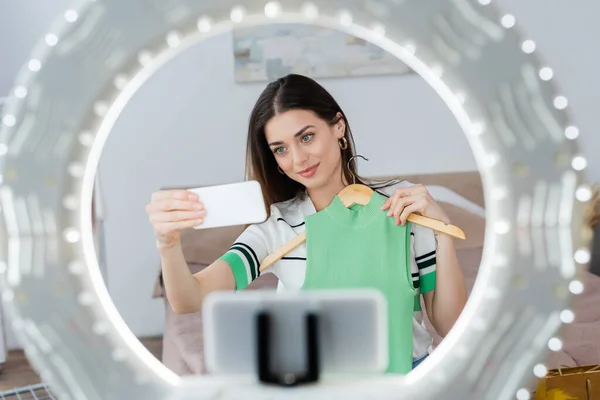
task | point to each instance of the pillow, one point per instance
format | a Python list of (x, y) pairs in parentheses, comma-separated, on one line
[(201, 247), (204, 246), (466, 184)]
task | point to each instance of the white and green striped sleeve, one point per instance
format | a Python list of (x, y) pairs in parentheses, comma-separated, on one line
[(244, 256), (425, 247)]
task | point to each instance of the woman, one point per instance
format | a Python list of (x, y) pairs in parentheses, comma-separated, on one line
[(299, 146)]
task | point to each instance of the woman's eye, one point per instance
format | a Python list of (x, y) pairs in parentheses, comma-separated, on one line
[(307, 137), (279, 150)]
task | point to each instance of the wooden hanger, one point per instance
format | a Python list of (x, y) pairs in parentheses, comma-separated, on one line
[(359, 194)]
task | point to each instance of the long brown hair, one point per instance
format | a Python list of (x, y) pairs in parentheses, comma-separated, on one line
[(292, 92)]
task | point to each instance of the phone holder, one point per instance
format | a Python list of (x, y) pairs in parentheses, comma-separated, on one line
[(289, 379)]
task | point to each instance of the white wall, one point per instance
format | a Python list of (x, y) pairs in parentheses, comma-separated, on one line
[(187, 126)]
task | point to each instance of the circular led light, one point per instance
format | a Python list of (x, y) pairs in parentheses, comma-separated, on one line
[(410, 47), (51, 39), (528, 46), (71, 16), (555, 344), (508, 21), (583, 193), (576, 287), (173, 39), (34, 65), (84, 323), (310, 10), (582, 256), (272, 9), (345, 18), (579, 163), (561, 102), (546, 73), (120, 82), (237, 14), (144, 58), (20, 92), (72, 236), (540, 370), (567, 316), (9, 120), (572, 133), (523, 394), (204, 24)]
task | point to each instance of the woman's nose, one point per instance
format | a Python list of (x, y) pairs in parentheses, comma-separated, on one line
[(299, 156)]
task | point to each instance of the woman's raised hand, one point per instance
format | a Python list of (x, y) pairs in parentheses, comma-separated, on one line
[(171, 211)]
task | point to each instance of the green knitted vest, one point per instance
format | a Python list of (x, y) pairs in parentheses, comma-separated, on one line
[(361, 247)]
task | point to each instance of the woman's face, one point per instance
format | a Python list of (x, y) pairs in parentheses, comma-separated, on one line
[(306, 147)]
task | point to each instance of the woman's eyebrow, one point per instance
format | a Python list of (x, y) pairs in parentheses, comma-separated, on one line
[(300, 132)]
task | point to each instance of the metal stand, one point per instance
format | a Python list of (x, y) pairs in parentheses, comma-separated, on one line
[(32, 392), (265, 375)]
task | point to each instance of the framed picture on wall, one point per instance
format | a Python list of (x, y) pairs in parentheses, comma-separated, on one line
[(265, 53)]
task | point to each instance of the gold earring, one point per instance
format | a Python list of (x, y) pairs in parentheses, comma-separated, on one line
[(280, 170), (343, 143)]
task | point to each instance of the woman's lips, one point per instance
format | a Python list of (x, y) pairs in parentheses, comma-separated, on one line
[(308, 172)]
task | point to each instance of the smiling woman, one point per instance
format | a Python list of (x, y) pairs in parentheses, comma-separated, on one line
[(299, 146)]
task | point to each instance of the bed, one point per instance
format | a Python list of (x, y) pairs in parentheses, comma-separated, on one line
[(461, 195)]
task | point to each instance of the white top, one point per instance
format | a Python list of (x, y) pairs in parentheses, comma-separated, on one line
[(287, 221)]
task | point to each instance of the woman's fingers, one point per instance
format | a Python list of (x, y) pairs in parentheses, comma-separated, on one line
[(415, 207), (175, 216), (175, 204), (166, 228), (173, 194), (171, 204), (400, 204), (393, 203), (387, 204), (406, 201)]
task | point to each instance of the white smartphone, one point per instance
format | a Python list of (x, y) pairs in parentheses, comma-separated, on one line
[(231, 204)]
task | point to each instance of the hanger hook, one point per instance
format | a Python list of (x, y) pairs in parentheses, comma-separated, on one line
[(348, 166)]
